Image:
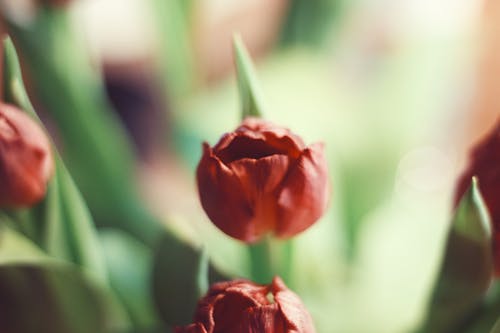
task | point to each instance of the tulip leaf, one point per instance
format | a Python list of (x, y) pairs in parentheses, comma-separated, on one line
[(129, 263), (73, 94), (61, 224), (467, 266), (56, 298), (171, 19), (496, 328), (16, 248), (250, 94), (39, 293), (176, 280)]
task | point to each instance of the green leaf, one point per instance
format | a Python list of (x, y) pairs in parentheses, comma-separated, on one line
[(250, 94), (130, 264), (176, 287), (41, 294), (467, 267), (309, 22), (15, 248), (496, 328), (176, 62), (73, 94), (61, 224), (56, 298)]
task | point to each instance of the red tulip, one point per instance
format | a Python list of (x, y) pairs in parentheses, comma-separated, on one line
[(241, 306), (485, 165), (26, 162), (262, 178)]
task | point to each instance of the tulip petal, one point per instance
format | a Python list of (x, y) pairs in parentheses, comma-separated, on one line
[(222, 196), (264, 319), (26, 162), (223, 308), (259, 179), (241, 306), (304, 193), (270, 130), (236, 198), (292, 310)]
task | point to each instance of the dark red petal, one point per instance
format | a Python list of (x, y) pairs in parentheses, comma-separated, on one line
[(222, 197), (260, 125), (259, 180), (222, 308), (257, 142), (304, 193), (292, 311), (264, 319)]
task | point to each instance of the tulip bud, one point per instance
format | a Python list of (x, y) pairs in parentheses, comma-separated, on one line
[(241, 306), (262, 178), (26, 162)]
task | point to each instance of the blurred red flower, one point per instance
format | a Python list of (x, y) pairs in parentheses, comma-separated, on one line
[(241, 306), (262, 178), (484, 163), (26, 162)]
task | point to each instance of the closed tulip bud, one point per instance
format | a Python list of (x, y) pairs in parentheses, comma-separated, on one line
[(261, 178), (484, 163), (241, 306), (26, 162)]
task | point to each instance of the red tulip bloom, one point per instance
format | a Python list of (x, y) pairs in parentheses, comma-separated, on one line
[(241, 306), (26, 162), (262, 178), (485, 165)]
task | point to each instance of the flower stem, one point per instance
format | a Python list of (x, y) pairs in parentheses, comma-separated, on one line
[(270, 257)]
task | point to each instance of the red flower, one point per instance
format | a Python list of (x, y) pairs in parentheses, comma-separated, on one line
[(241, 306), (262, 178), (26, 162), (485, 164)]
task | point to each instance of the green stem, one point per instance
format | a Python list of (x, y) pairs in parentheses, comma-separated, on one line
[(271, 257), (261, 261)]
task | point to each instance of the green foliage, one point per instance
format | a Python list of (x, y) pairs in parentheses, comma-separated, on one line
[(96, 148), (176, 280), (467, 267), (251, 100)]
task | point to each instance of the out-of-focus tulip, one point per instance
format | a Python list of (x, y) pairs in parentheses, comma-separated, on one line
[(485, 165), (262, 178), (241, 306), (26, 161)]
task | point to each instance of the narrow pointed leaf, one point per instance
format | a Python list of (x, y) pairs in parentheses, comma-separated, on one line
[(61, 224), (73, 93), (467, 267), (176, 281), (250, 94)]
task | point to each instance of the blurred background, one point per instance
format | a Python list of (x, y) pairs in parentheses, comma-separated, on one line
[(398, 90)]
